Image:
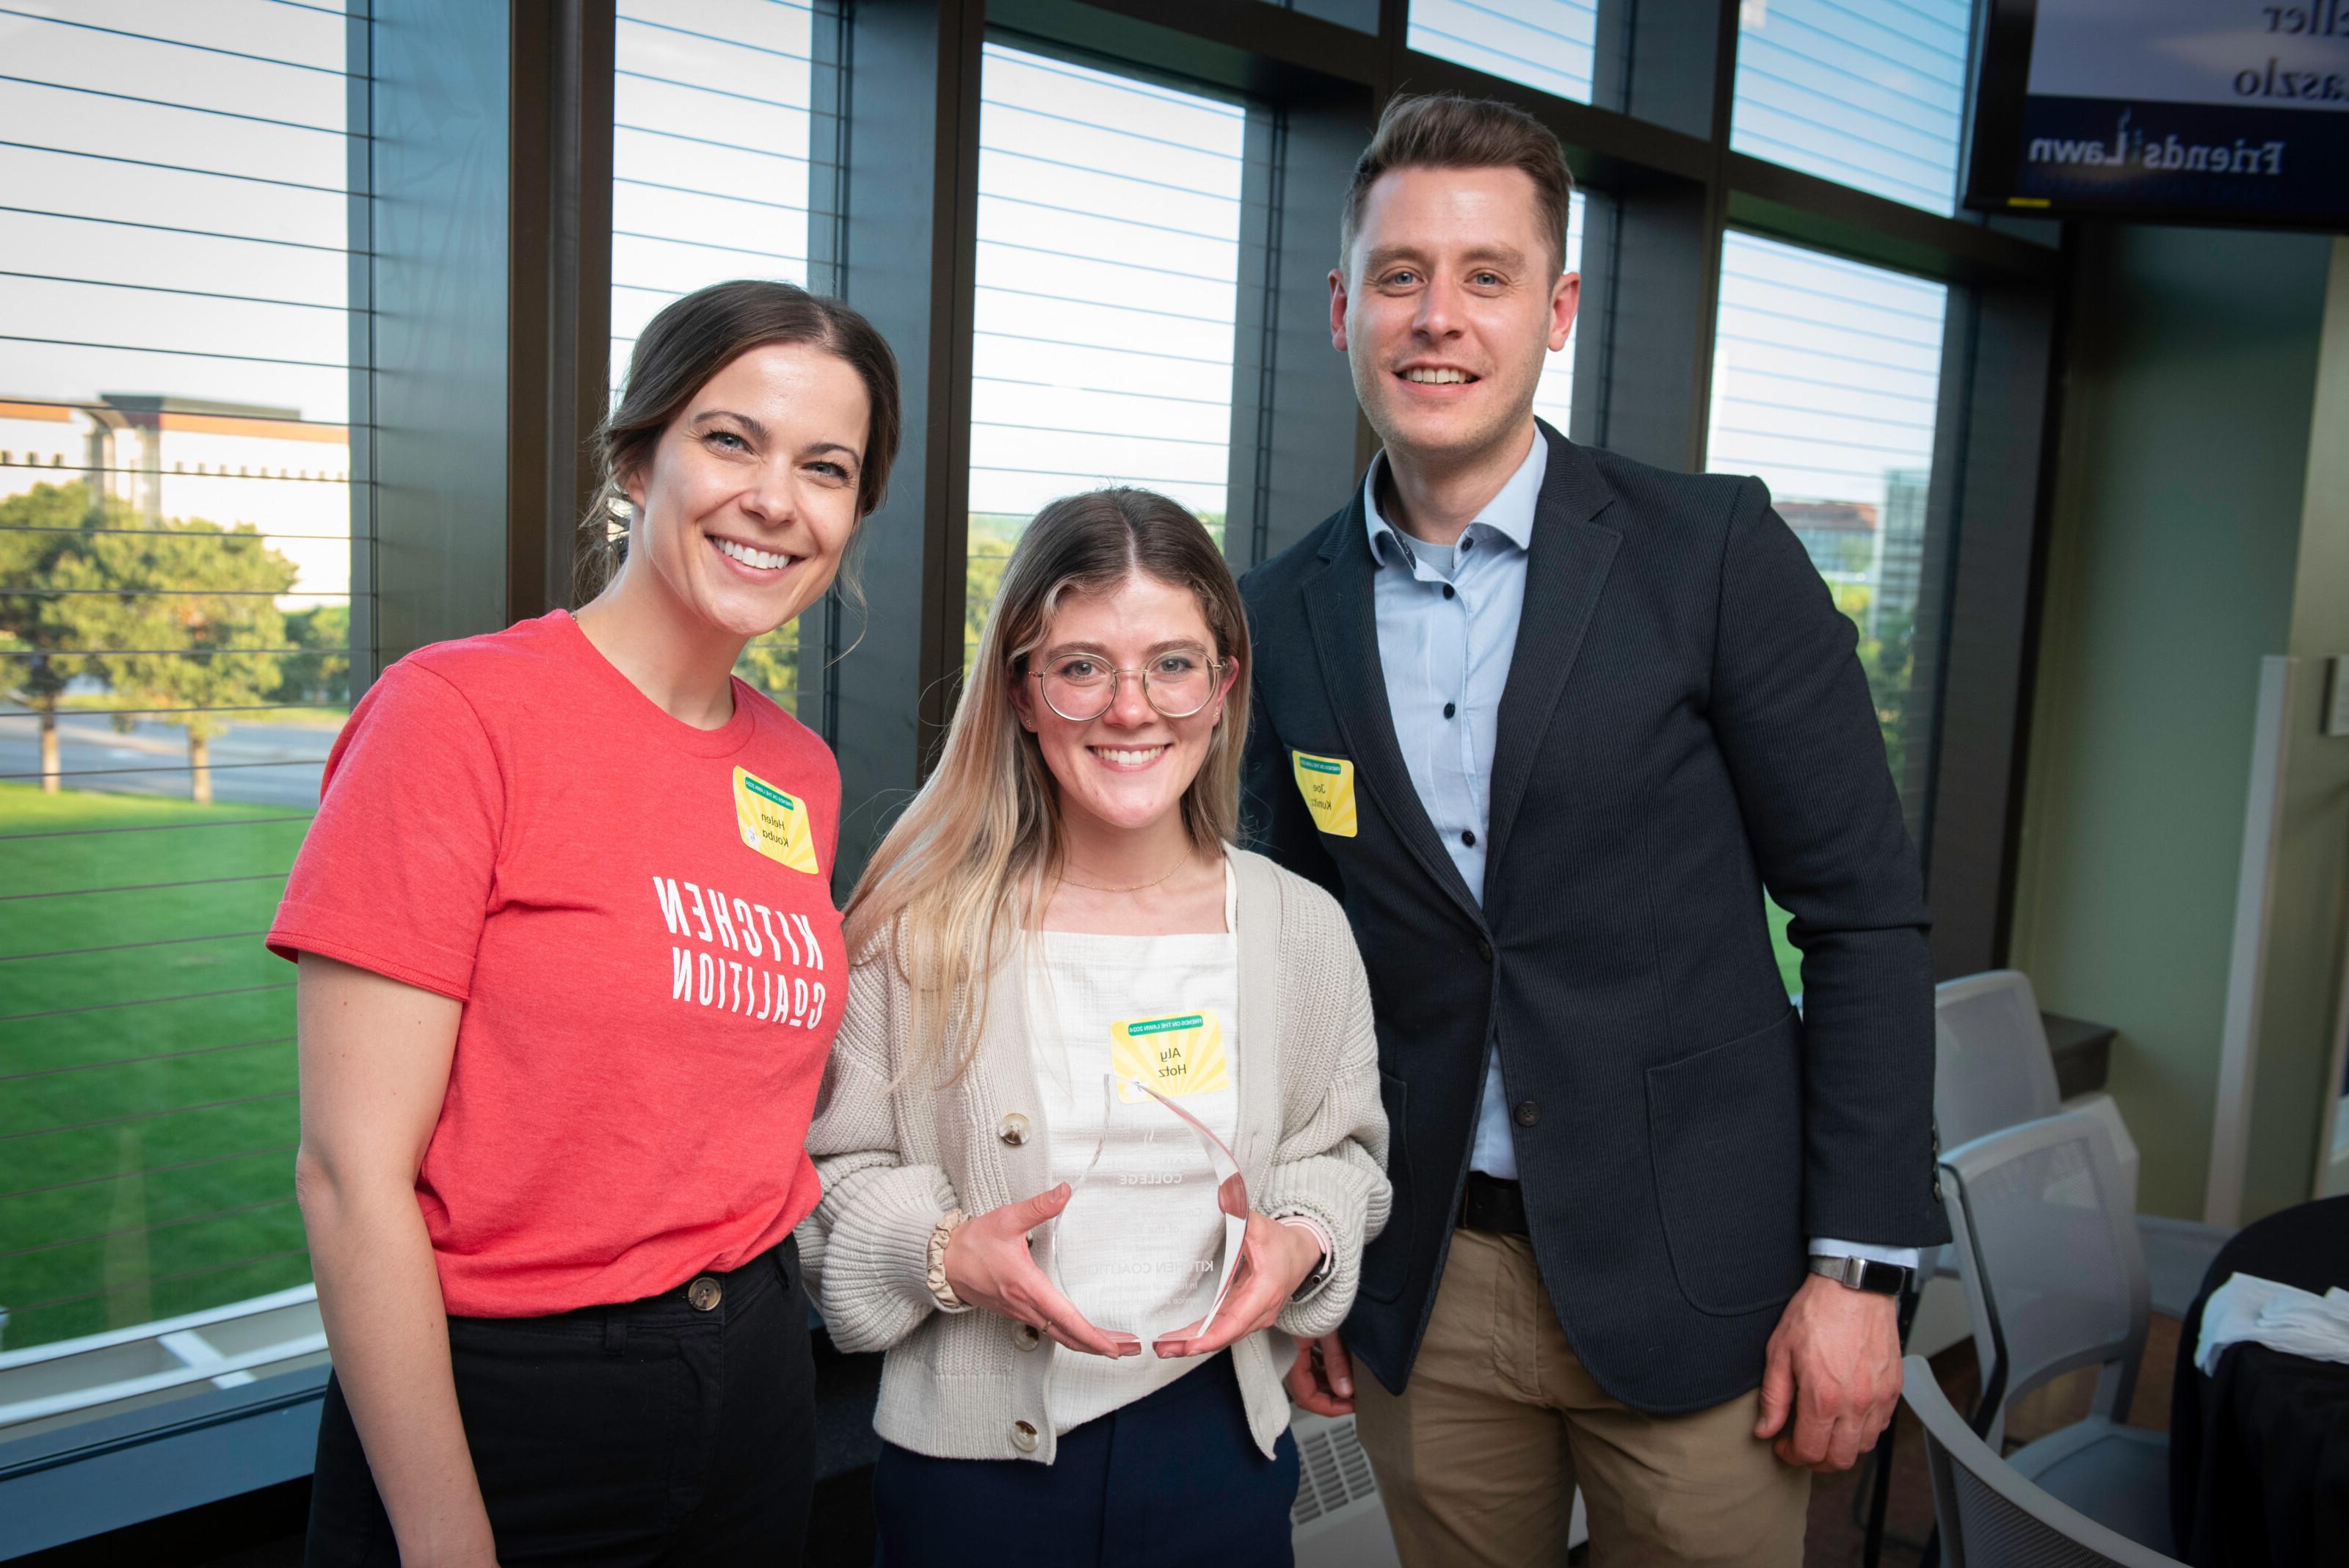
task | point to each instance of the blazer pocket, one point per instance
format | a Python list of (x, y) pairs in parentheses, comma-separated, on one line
[(1386, 1263), (1726, 1135)]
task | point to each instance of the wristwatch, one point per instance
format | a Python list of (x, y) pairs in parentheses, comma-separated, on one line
[(1862, 1274)]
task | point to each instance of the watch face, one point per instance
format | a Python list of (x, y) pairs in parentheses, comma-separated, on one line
[(1882, 1279)]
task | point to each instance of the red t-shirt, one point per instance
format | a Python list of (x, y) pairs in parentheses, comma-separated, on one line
[(637, 916)]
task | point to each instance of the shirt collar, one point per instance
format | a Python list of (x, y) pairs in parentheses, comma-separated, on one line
[(1510, 514)]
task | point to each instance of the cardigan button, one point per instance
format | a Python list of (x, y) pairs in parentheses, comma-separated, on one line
[(1023, 1437), (1013, 1129), (1026, 1337)]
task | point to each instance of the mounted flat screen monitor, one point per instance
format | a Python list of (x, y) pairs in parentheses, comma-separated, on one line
[(2232, 111)]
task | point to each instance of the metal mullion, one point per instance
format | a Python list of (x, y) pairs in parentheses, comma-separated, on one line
[(358, 287)]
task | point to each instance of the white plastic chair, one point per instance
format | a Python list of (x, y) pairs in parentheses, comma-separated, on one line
[(1992, 1069), (2055, 1281), (1992, 1517)]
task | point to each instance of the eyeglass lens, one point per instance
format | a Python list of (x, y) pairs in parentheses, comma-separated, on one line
[(1176, 683)]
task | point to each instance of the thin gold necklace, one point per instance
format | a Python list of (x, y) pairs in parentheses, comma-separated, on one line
[(1138, 886)]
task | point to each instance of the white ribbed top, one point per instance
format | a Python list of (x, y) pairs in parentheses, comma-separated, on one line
[(1138, 1246)]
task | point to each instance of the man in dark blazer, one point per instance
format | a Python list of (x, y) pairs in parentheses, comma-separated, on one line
[(1549, 722)]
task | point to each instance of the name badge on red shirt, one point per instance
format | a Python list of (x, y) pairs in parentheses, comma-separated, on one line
[(773, 823)]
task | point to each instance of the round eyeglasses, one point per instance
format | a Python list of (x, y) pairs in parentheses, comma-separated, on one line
[(1082, 687)]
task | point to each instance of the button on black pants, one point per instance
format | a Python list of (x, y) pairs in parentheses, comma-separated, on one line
[(644, 1433)]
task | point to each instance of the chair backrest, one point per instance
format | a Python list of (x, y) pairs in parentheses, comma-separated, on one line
[(1992, 1517), (1992, 1065), (2054, 1277)]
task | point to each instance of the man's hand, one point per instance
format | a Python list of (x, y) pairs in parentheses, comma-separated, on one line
[(1835, 1367), (1322, 1380)]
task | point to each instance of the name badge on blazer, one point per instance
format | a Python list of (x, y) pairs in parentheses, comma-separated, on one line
[(1328, 785)]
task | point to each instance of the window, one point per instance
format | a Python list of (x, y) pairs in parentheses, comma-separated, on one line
[(1826, 377), (1546, 44), (1554, 396), (183, 540), (1107, 293), (1871, 96), (711, 136)]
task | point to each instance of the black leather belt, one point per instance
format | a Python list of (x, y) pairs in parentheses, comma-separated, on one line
[(1492, 1204)]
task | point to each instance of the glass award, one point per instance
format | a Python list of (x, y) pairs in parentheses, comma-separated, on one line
[(1153, 1231)]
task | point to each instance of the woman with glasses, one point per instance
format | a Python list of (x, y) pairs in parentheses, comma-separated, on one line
[(1101, 1130)]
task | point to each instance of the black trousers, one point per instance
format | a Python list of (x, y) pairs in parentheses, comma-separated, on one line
[(1172, 1480), (649, 1432)]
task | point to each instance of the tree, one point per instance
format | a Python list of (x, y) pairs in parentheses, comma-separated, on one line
[(319, 676), (191, 607), (41, 531), (771, 664)]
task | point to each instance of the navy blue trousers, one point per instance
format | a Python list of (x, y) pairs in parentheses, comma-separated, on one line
[(1172, 1480)]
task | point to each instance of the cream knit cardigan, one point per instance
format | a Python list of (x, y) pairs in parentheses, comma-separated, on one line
[(1312, 1140)]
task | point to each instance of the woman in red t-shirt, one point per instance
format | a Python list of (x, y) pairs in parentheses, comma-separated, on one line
[(570, 970)]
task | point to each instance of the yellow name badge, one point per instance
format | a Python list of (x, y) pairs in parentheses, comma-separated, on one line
[(1328, 785), (772, 822), (1177, 1054)]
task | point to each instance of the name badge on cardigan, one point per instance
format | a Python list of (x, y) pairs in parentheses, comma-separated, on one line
[(1328, 785)]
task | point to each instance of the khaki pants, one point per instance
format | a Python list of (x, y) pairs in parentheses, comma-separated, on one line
[(1478, 1459)]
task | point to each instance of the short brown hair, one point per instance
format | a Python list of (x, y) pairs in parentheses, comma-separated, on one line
[(690, 341), (1445, 131)]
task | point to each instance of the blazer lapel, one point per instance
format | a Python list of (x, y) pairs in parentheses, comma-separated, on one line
[(1566, 567), (1339, 603)]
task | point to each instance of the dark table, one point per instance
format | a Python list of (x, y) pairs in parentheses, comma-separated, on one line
[(2259, 1453)]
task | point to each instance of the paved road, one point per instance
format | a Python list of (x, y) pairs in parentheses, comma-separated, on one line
[(259, 765)]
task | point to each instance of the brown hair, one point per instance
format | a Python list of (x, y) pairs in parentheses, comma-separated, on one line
[(1445, 131), (976, 851), (690, 341)]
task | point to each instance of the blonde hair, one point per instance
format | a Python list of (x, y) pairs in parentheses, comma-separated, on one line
[(959, 875)]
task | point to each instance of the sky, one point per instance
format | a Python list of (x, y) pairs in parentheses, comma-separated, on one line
[(181, 226)]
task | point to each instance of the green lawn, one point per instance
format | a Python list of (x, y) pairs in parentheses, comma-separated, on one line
[(147, 1109), (1790, 957)]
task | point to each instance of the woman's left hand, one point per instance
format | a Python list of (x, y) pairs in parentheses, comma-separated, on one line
[(1274, 1260)]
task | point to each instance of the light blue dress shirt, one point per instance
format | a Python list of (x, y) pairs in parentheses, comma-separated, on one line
[(1447, 620)]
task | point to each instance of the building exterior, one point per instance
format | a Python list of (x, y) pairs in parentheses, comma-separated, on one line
[(1900, 560), (228, 463)]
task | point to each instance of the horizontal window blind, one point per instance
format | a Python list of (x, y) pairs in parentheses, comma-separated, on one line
[(713, 134), (1106, 297), (183, 540), (1869, 94), (1825, 382), (1546, 44)]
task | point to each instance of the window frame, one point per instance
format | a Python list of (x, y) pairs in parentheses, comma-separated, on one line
[(480, 399)]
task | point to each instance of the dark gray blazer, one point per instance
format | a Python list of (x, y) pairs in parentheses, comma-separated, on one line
[(1685, 722)]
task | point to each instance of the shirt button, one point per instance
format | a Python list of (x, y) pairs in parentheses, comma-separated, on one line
[(1448, 591), (1013, 1129), (1026, 1337), (1467, 543), (1468, 836), (704, 1294), (1528, 1113), (1452, 710), (1023, 1437)]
